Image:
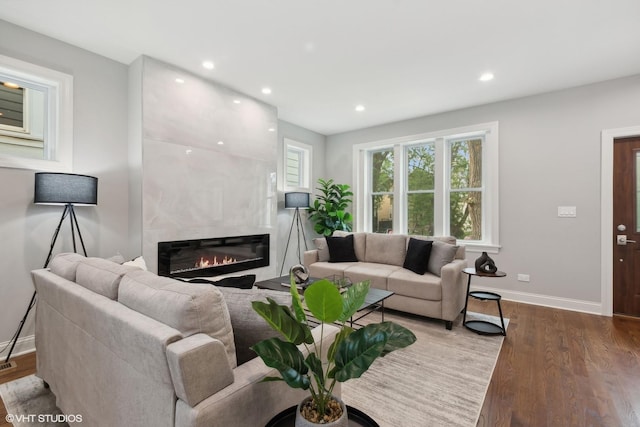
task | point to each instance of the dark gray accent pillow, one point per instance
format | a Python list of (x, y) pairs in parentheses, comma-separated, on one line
[(417, 258), (242, 282), (341, 249), (441, 255), (248, 327)]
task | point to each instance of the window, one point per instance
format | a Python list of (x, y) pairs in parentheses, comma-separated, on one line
[(297, 165), (382, 191), (442, 183), (35, 117)]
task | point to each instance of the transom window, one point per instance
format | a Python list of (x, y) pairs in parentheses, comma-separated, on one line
[(297, 168), (442, 183)]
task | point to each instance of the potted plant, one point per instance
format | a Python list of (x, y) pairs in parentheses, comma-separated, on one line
[(329, 209), (349, 356)]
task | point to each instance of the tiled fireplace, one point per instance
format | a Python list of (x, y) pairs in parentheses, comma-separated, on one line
[(212, 257)]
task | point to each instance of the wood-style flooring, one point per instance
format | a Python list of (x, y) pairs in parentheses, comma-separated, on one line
[(556, 368)]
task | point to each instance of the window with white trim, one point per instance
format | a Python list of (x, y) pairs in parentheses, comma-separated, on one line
[(441, 183), (36, 117), (297, 163)]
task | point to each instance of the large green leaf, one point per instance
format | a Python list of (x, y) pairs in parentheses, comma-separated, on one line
[(357, 352), (324, 301), (296, 302), (397, 336), (315, 365), (345, 331), (287, 359), (353, 299), (282, 320)]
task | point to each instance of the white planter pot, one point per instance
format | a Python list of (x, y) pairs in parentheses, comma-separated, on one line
[(343, 421)]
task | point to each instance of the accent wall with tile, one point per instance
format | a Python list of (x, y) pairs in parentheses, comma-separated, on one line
[(208, 156)]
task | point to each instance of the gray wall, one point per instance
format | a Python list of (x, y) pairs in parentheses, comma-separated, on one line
[(285, 216), (100, 149), (549, 157)]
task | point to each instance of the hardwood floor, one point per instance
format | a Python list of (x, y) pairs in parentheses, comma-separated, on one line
[(562, 368), (556, 368)]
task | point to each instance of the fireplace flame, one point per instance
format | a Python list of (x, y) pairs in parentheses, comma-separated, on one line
[(204, 262)]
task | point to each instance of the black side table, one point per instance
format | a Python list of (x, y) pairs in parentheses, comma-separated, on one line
[(357, 418), (483, 327)]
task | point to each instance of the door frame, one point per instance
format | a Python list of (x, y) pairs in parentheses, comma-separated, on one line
[(607, 138)]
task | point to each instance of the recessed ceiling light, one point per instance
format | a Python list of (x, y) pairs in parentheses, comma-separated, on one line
[(220, 142), (271, 129), (236, 101), (1, 114), (266, 90), (179, 80), (486, 77), (360, 107), (208, 65), (188, 151)]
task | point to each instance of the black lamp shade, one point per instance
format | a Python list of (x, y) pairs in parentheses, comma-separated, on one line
[(64, 188), (296, 200)]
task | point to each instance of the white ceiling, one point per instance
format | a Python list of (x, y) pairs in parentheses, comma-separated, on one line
[(399, 58)]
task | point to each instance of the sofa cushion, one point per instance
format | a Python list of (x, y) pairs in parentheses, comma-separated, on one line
[(441, 255), (341, 249), (417, 258), (386, 248), (376, 273), (359, 242), (407, 283), (65, 265), (249, 327), (323, 249), (190, 308), (329, 269), (101, 276)]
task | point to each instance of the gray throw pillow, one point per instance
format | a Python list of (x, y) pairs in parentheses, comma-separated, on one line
[(323, 249), (248, 326), (441, 255)]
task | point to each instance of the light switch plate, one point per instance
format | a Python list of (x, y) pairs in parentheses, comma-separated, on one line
[(567, 211)]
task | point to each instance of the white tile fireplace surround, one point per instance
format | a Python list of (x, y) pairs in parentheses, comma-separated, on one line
[(208, 161)]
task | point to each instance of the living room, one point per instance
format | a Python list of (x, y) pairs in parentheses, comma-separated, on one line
[(550, 155)]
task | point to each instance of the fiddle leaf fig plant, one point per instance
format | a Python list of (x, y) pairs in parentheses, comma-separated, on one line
[(329, 208), (350, 354)]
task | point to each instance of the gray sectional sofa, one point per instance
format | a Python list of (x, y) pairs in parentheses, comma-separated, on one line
[(124, 347), (439, 293)]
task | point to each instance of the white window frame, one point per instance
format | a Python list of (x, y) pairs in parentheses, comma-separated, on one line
[(490, 181), (306, 152), (58, 128)]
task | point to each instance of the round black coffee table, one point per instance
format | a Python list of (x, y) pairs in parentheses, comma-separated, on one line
[(357, 418)]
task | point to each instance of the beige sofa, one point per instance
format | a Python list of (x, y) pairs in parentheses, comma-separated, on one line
[(439, 293), (123, 347)]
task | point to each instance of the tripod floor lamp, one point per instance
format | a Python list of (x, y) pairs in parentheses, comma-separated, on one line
[(297, 201), (61, 189)]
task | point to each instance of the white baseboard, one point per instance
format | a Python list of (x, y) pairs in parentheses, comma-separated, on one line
[(545, 300), (23, 346)]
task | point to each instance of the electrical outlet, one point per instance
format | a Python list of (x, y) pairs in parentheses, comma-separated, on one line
[(523, 278)]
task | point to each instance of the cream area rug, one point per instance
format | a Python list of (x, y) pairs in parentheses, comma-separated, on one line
[(29, 404), (440, 380)]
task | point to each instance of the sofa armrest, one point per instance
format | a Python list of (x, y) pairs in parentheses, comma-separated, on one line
[(199, 367), (310, 257), (248, 401), (453, 289)]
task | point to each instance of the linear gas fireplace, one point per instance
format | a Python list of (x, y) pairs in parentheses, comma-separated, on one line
[(212, 257)]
